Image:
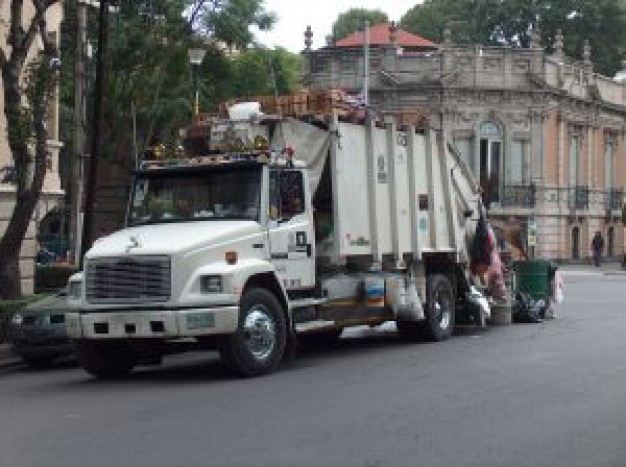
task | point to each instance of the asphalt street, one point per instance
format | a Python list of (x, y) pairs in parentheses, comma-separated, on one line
[(550, 394)]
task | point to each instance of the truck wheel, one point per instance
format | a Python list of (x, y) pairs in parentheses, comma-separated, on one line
[(105, 360), (439, 311), (258, 345), (440, 308)]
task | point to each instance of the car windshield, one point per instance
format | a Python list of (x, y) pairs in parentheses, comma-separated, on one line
[(202, 194)]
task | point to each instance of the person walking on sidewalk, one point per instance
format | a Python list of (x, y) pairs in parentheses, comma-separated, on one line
[(597, 245)]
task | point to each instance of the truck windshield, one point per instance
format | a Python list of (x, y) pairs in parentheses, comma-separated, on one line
[(176, 196)]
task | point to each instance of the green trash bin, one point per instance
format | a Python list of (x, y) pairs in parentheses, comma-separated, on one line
[(533, 278)]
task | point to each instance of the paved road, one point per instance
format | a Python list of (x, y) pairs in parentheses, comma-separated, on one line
[(551, 394)]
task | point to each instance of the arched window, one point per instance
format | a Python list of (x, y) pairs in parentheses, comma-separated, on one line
[(490, 161)]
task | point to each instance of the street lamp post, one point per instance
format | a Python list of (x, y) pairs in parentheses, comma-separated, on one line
[(88, 235), (195, 58)]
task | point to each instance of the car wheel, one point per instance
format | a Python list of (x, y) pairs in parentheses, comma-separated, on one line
[(105, 360), (258, 345)]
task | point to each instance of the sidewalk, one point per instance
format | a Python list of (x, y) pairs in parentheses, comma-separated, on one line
[(606, 268)]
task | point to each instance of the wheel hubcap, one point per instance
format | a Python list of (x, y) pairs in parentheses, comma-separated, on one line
[(259, 333), (442, 309)]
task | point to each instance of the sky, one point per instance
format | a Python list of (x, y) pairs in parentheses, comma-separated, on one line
[(295, 15)]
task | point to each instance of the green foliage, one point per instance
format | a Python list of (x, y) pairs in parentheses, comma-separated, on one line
[(354, 19), (230, 21), (511, 23), (262, 71), (149, 80)]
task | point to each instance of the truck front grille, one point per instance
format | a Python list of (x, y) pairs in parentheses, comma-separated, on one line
[(133, 279)]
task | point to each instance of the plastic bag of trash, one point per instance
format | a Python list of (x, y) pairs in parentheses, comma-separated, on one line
[(528, 310), (557, 287), (479, 302)]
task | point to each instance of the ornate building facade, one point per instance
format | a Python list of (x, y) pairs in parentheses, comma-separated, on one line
[(51, 194), (542, 132)]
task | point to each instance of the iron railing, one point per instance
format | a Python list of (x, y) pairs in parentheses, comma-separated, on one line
[(614, 199), (578, 197)]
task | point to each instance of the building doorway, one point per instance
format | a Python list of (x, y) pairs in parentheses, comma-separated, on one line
[(576, 243), (610, 242)]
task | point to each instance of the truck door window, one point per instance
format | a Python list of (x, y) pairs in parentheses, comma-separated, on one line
[(286, 194)]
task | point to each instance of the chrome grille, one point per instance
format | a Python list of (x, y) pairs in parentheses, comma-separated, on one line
[(133, 279)]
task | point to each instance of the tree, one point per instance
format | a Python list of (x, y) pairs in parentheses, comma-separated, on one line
[(512, 22), (29, 76), (354, 19), (263, 71), (230, 21), (149, 66)]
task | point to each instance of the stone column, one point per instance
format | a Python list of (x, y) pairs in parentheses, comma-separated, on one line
[(591, 178), (536, 148)]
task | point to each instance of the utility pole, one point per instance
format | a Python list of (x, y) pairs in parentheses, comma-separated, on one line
[(366, 63), (80, 121), (92, 174)]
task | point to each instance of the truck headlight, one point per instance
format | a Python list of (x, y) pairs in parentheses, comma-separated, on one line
[(211, 284), (17, 319), (74, 290)]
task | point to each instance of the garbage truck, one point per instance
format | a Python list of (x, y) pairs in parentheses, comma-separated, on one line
[(265, 229)]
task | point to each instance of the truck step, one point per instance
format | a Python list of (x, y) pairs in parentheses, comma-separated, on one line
[(314, 325)]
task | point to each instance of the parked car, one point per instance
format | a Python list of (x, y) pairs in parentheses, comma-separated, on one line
[(37, 332)]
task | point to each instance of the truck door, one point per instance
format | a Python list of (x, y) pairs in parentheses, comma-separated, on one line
[(291, 229)]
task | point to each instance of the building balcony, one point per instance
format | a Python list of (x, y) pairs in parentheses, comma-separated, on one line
[(613, 199), (518, 196), (578, 197)]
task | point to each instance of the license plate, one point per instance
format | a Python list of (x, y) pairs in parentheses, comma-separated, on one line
[(200, 320)]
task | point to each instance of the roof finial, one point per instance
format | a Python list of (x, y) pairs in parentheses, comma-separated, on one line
[(308, 38), (558, 43), (447, 34), (587, 53), (393, 33), (535, 38)]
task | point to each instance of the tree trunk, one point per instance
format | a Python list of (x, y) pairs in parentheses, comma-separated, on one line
[(23, 133), (10, 274), (11, 243)]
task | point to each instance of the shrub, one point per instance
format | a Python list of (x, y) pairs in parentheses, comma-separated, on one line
[(53, 277)]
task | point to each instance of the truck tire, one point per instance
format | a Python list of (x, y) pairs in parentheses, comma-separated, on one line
[(440, 307), (105, 360), (439, 310), (258, 345)]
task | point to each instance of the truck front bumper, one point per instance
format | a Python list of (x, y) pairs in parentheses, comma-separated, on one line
[(168, 324)]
